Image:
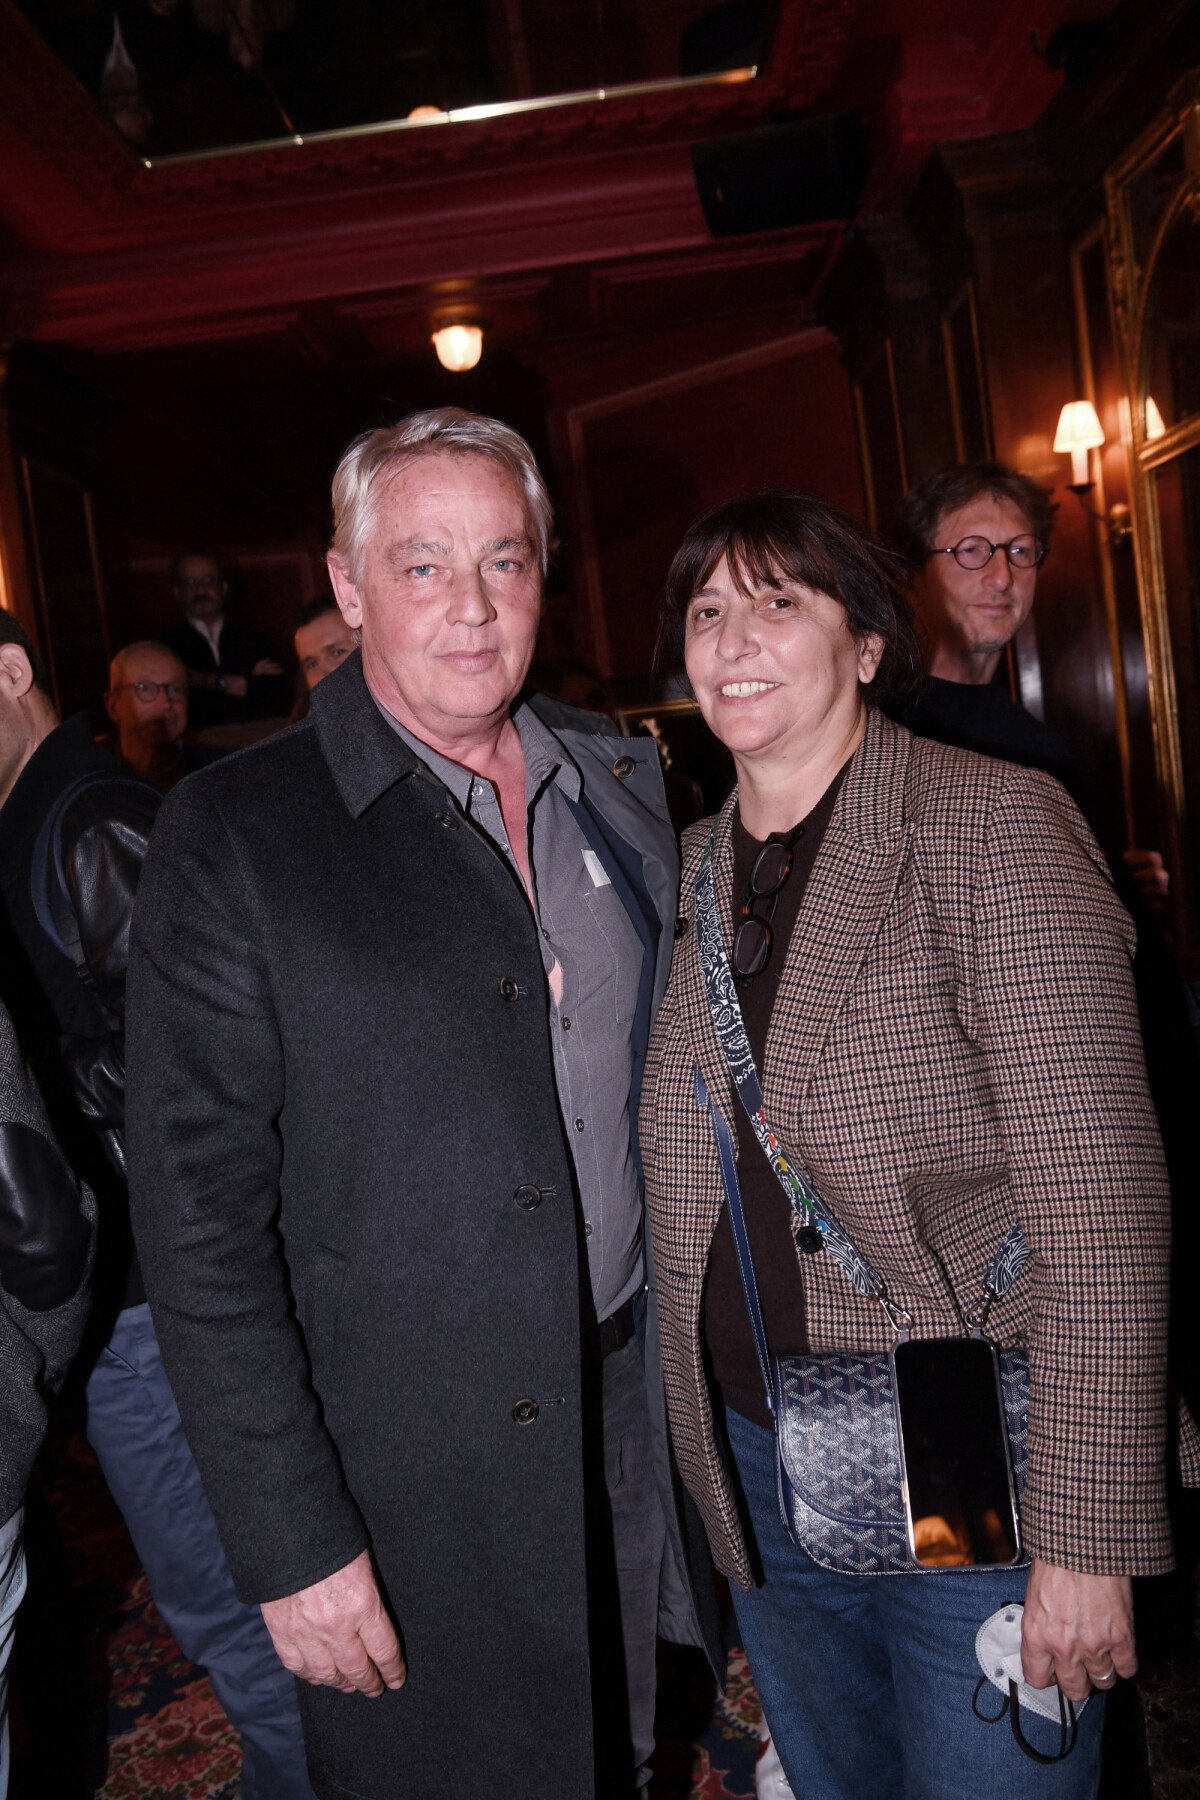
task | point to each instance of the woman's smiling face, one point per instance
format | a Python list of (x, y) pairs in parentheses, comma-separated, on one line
[(773, 664)]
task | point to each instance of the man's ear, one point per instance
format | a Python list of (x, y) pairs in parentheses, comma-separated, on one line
[(344, 591), (16, 672), (110, 707)]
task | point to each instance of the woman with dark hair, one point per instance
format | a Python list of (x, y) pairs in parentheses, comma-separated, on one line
[(897, 1072)]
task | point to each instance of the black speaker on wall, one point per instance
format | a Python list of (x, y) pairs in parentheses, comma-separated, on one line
[(797, 172)]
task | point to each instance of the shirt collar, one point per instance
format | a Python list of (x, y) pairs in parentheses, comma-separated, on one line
[(546, 759), (211, 632)]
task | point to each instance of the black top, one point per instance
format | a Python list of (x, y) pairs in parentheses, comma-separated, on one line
[(240, 649), (188, 758), (982, 717), (769, 1214)]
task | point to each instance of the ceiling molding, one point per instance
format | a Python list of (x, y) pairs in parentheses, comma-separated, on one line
[(111, 254)]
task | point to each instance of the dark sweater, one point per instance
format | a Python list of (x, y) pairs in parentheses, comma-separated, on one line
[(239, 650), (981, 717)]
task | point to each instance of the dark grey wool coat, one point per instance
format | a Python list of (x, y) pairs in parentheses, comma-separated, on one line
[(340, 1091)]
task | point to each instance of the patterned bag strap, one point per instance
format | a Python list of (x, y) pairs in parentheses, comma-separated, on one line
[(815, 1214)]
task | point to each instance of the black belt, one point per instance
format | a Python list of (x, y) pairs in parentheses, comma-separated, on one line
[(615, 1332)]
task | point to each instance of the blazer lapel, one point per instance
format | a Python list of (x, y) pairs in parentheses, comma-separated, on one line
[(849, 892)]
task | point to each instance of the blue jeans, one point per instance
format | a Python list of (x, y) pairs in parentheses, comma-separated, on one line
[(867, 1680), (134, 1427), (12, 1591)]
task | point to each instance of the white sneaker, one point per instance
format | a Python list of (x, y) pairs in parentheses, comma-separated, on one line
[(770, 1782)]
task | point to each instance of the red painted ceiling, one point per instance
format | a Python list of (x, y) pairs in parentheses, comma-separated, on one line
[(563, 224)]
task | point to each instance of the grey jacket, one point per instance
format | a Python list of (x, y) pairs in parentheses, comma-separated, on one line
[(47, 1244)]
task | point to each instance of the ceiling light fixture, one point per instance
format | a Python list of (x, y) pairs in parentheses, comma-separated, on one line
[(459, 347)]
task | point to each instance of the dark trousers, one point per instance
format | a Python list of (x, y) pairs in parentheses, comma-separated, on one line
[(626, 1543)]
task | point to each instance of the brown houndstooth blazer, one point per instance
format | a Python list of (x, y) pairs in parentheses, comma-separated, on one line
[(954, 1045)]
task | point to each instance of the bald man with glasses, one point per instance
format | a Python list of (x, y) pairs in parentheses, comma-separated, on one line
[(147, 701)]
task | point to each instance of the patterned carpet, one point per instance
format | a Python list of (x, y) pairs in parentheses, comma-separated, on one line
[(167, 1738)]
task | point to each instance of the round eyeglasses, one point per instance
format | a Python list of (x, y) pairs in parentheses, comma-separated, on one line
[(976, 552), (753, 939), (150, 690)]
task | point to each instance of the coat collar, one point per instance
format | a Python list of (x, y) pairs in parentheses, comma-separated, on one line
[(365, 756), (872, 807), (849, 891)]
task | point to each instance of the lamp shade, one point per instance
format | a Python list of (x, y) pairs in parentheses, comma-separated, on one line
[(1078, 428), (1155, 427), (459, 347)]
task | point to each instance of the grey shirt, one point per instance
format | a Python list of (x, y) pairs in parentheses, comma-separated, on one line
[(583, 924)]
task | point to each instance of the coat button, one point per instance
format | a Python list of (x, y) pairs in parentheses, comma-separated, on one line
[(508, 988), (527, 1197), (525, 1412), (681, 925), (811, 1239), (448, 820), (624, 767)]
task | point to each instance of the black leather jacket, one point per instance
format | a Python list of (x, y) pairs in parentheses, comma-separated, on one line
[(105, 832), (70, 1008), (47, 1233)]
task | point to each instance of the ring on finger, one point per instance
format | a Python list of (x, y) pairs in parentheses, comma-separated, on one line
[(1109, 1675)]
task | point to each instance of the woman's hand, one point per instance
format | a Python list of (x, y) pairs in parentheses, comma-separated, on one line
[(1077, 1630)]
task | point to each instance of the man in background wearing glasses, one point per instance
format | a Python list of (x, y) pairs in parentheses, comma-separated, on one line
[(973, 535), (232, 672), (147, 701)]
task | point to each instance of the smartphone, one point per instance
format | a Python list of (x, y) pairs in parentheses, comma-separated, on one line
[(959, 1494)]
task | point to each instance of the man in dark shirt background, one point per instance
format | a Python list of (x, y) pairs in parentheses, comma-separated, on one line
[(973, 536), (232, 672)]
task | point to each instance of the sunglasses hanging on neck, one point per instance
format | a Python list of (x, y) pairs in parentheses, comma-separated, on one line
[(753, 938)]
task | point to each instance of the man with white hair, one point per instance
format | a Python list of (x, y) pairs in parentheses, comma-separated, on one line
[(392, 981)]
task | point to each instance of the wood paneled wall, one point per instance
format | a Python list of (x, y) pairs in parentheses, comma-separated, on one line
[(979, 313), (639, 461)]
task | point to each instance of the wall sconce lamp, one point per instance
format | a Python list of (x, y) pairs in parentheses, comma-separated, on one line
[(1079, 431), (459, 347)]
